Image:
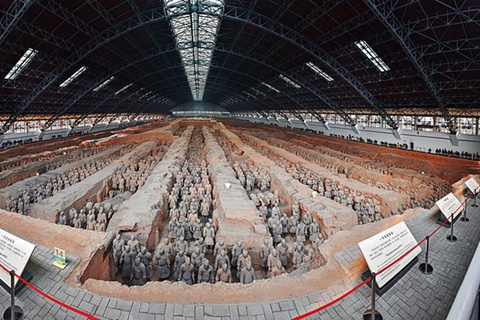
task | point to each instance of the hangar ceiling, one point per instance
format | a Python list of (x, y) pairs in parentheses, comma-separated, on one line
[(382, 57)]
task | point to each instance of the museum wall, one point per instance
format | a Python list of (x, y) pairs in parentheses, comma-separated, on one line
[(422, 139)]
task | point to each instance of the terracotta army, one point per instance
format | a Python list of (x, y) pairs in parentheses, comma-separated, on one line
[(179, 261), (242, 261), (77, 223), (219, 246), (134, 244), (118, 245), (224, 274), (181, 245), (314, 231), (186, 273), (205, 272), (301, 231), (272, 259), (277, 232), (297, 257), (247, 275), (62, 218), (277, 270), (126, 261), (222, 259), (91, 225), (146, 259), (163, 264), (209, 235), (265, 252), (294, 221), (282, 249), (197, 258), (237, 250), (285, 223), (71, 216), (138, 274)]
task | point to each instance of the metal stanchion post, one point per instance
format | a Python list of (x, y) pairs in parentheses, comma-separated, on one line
[(425, 267), (451, 237), (372, 314), (464, 216), (474, 201), (14, 312)]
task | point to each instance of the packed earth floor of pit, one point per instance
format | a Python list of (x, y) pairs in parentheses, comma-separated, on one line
[(415, 296)]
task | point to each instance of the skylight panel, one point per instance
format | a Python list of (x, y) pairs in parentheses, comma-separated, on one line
[(146, 94), (21, 64), (105, 83), (319, 71), (258, 92), (124, 88), (195, 36), (270, 87), (290, 81), (372, 56), (249, 94), (73, 77)]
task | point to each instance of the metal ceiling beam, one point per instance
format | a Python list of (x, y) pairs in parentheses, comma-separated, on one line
[(10, 18), (387, 17)]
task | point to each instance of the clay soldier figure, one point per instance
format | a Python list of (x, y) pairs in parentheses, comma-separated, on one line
[(62, 219), (118, 244), (237, 250), (219, 246), (282, 249), (179, 261), (197, 258), (272, 259), (285, 222), (247, 275), (205, 272), (197, 230), (307, 219), (314, 231), (265, 252), (71, 216), (186, 273), (181, 245), (295, 209), (77, 223), (209, 235), (222, 259), (126, 260), (297, 258), (277, 270), (301, 231), (294, 220), (134, 245), (83, 218), (146, 259), (277, 232), (224, 274), (242, 261), (138, 274), (91, 222), (163, 264)]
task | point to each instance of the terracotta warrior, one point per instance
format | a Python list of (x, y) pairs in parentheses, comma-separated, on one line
[(205, 272), (186, 273), (163, 264), (138, 274), (247, 275)]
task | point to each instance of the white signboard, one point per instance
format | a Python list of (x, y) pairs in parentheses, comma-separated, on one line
[(472, 185), (387, 246), (448, 205), (14, 255)]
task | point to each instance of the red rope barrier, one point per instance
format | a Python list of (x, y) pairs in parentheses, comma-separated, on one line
[(90, 317), (382, 270)]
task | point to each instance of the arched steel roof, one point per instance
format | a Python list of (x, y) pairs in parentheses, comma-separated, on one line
[(430, 47)]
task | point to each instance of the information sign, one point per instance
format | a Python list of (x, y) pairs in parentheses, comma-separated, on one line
[(387, 246), (14, 255), (60, 258), (472, 185), (448, 205)]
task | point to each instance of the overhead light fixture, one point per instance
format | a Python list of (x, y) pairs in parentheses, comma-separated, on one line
[(249, 94), (290, 81), (73, 77), (104, 84), (146, 94), (319, 71), (372, 56), (270, 87), (21, 64), (124, 88)]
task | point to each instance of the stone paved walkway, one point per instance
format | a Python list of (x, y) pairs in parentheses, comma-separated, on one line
[(415, 296)]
